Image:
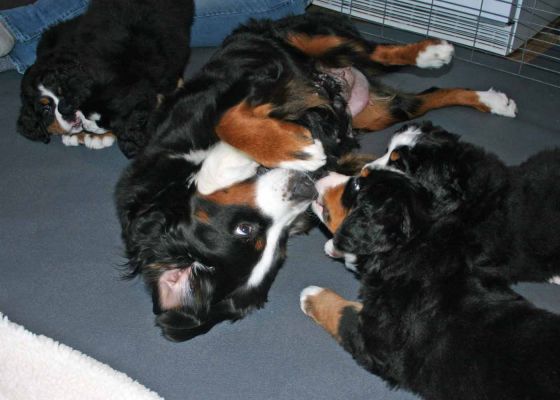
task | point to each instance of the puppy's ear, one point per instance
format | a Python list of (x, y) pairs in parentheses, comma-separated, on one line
[(184, 298), (30, 125), (387, 216), (366, 230), (179, 326)]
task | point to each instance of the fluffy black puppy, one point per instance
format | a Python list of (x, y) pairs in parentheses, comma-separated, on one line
[(98, 76), (431, 320), (512, 213)]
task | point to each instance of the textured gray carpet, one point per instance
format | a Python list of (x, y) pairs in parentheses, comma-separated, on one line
[(60, 248)]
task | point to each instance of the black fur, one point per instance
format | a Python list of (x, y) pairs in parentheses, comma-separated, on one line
[(113, 60), (512, 212), (434, 320)]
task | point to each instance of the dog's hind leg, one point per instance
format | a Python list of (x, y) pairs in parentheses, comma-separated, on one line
[(386, 108), (269, 141), (428, 53), (329, 310)]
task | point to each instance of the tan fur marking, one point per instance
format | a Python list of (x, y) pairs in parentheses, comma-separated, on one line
[(268, 141), (450, 97), (315, 45), (326, 309), (332, 201), (55, 129), (240, 194), (202, 216), (259, 244), (394, 156), (374, 117), (400, 54), (365, 172), (44, 101)]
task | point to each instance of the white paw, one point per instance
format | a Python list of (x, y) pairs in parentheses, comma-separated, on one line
[(351, 262), (316, 158), (70, 140), (98, 142), (331, 251), (435, 55), (498, 103), (309, 291), (555, 280)]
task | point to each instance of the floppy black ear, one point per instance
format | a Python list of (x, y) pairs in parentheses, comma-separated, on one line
[(370, 229), (386, 216), (179, 325), (30, 124)]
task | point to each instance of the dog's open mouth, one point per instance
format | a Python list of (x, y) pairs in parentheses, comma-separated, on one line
[(355, 87)]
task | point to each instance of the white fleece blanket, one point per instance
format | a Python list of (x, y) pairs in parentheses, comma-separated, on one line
[(36, 367)]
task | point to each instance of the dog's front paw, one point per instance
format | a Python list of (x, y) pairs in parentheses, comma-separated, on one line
[(555, 280), (435, 55), (310, 158), (70, 140), (306, 299), (98, 142), (498, 103)]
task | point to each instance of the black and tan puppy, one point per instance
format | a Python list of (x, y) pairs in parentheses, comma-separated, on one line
[(97, 77), (432, 317), (281, 94)]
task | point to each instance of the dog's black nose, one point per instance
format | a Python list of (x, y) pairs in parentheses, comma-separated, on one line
[(301, 187), (66, 109)]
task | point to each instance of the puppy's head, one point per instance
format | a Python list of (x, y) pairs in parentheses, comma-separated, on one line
[(50, 99), (462, 177), (371, 214), (206, 257)]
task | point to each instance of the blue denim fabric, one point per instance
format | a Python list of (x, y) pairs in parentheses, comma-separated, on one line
[(214, 20)]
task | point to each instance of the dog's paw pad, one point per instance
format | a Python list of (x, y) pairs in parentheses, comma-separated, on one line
[(70, 140), (498, 103), (435, 55), (310, 158), (305, 298)]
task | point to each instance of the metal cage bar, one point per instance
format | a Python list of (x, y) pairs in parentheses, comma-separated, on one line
[(519, 37)]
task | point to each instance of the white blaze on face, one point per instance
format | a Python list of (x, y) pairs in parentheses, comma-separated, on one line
[(407, 138), (65, 125), (273, 199)]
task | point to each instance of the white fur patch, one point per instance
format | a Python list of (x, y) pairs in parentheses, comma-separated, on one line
[(407, 138), (70, 140), (65, 125), (350, 260), (498, 103), (273, 199), (223, 166), (90, 124), (316, 158), (96, 142), (306, 293), (555, 280), (435, 55)]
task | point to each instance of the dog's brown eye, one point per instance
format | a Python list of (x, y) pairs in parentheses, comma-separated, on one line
[(244, 229)]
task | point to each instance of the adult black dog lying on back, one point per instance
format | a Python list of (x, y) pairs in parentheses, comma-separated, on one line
[(98, 76), (278, 94), (437, 315)]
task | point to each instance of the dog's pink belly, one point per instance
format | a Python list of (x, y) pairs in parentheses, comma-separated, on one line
[(355, 87)]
